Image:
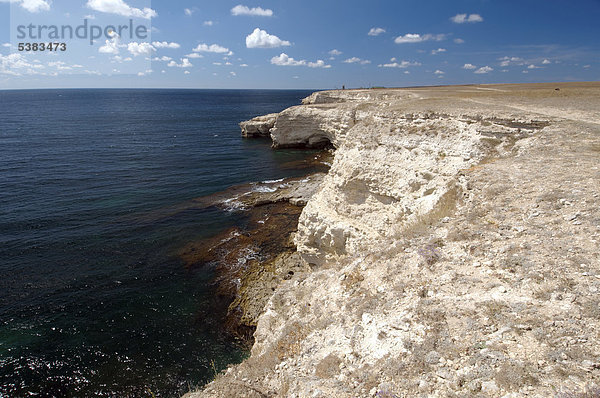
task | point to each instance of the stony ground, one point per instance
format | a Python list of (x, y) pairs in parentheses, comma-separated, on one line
[(495, 293)]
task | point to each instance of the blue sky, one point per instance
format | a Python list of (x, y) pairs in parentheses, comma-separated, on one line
[(305, 44)]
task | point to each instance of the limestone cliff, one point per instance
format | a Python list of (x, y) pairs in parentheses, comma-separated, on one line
[(453, 248), (259, 126)]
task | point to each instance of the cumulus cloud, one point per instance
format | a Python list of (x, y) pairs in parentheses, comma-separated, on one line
[(208, 23), (164, 44), (60, 65), (376, 31), (356, 60), (439, 50), (284, 60), (464, 18), (140, 49), (111, 46), (16, 65), (335, 52), (417, 38), (194, 55), (188, 11), (261, 39), (402, 64), (469, 66), (318, 64), (545, 62), (506, 61), (213, 48), (439, 72), (185, 63), (256, 11), (33, 6), (119, 7), (458, 40), (484, 69), (164, 58)]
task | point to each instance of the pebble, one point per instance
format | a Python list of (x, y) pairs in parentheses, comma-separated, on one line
[(489, 387)]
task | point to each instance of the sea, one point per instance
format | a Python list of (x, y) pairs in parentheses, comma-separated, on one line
[(94, 299)]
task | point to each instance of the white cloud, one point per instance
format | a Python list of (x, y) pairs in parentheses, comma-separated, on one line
[(60, 65), (355, 60), (16, 65), (402, 64), (459, 40), (244, 65), (532, 66), (439, 72), (469, 66), (187, 72), (188, 11), (256, 11), (233, 74), (213, 48), (140, 48), (318, 64), (111, 45), (164, 44), (439, 50), (335, 52), (6, 45), (484, 69), (148, 71), (194, 55), (185, 63), (208, 23), (119, 7), (464, 18), (164, 58), (376, 31), (506, 61), (545, 62), (33, 6), (284, 60), (417, 38), (89, 16), (119, 59), (261, 39)]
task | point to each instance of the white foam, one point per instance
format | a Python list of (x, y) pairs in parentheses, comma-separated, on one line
[(272, 181)]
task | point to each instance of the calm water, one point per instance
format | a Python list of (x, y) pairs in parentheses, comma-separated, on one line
[(93, 298)]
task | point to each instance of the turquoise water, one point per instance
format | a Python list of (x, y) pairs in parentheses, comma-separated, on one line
[(94, 300)]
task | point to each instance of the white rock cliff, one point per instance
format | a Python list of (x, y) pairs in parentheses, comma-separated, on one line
[(453, 248)]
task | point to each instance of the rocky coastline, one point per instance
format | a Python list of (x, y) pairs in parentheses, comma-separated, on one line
[(451, 250)]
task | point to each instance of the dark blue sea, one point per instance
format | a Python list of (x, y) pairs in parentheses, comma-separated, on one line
[(94, 300)]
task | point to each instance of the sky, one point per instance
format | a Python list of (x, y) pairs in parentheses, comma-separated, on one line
[(309, 44)]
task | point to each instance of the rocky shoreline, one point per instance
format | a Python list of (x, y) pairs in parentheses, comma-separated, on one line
[(451, 250)]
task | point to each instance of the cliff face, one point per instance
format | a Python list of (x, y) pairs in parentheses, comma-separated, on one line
[(452, 248)]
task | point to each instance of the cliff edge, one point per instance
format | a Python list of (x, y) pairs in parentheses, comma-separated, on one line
[(451, 250)]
